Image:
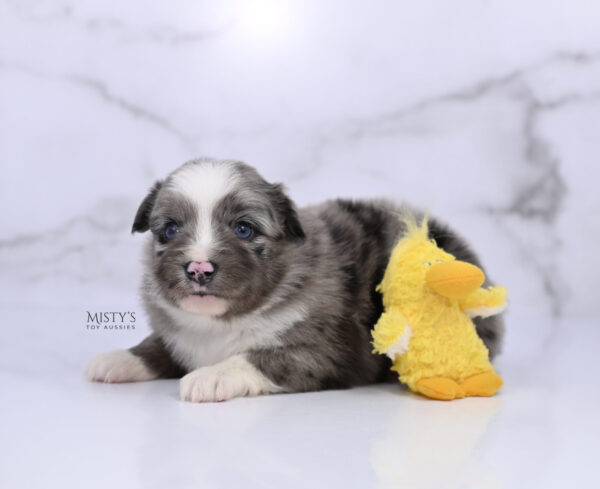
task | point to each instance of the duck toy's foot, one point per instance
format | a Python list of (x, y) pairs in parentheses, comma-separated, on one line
[(440, 388), (445, 389), (485, 384)]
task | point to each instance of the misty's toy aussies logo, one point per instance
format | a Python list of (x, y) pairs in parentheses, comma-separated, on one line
[(110, 320)]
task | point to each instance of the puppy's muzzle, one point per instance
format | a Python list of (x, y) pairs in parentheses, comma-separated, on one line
[(201, 272)]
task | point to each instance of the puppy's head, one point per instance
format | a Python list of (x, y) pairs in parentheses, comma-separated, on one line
[(219, 235)]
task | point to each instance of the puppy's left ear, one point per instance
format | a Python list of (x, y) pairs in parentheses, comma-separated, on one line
[(141, 223), (286, 209)]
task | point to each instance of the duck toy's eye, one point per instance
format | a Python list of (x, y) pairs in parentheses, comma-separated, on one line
[(427, 264)]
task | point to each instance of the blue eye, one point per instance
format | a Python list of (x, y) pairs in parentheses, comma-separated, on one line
[(243, 230), (171, 231)]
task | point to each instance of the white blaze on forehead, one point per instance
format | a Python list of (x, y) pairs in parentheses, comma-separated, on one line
[(204, 184)]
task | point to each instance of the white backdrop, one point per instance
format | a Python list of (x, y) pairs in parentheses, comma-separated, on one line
[(484, 113)]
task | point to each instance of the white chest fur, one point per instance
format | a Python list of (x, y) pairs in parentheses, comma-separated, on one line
[(203, 340)]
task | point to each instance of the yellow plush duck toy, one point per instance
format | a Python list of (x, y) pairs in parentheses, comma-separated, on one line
[(426, 329)]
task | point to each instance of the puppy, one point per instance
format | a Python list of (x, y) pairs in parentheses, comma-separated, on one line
[(247, 295)]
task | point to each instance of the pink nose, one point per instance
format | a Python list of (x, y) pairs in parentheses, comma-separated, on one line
[(200, 267), (200, 272)]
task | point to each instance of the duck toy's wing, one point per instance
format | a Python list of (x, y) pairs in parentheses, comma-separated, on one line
[(484, 302), (391, 335)]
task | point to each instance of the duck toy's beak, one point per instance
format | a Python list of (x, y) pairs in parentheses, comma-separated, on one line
[(454, 279)]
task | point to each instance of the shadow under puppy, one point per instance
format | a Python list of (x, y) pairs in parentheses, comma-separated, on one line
[(247, 295)]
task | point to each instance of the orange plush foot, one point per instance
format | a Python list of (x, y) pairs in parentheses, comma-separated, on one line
[(485, 384), (440, 388)]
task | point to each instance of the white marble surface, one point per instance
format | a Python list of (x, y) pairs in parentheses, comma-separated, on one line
[(485, 113), (57, 431)]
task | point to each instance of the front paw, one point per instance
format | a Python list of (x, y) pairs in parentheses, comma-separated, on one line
[(234, 377), (117, 366)]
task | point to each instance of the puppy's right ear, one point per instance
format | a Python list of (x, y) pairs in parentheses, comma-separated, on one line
[(141, 223)]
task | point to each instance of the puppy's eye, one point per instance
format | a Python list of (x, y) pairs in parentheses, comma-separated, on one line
[(170, 231), (243, 230)]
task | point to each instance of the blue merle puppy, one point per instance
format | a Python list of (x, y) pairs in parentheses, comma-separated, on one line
[(248, 295)]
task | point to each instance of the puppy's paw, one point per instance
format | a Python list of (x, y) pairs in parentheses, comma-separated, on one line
[(234, 377), (117, 366)]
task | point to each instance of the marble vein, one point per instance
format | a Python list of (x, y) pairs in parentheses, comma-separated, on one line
[(160, 33), (101, 90), (362, 128), (386, 122)]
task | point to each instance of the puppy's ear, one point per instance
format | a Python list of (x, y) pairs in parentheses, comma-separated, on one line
[(286, 209), (141, 223)]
